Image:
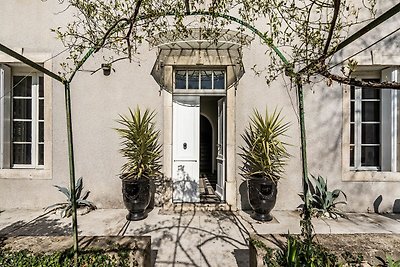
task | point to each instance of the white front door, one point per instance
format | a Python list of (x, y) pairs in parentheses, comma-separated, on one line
[(220, 187), (185, 149)]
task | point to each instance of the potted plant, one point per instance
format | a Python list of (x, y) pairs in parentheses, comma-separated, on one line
[(142, 151), (264, 156)]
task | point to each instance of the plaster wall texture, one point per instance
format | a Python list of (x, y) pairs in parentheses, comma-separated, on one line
[(97, 100)]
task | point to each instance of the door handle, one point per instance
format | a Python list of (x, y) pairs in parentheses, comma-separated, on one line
[(185, 160)]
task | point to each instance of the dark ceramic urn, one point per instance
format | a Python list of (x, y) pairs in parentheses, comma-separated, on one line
[(136, 195), (262, 197)]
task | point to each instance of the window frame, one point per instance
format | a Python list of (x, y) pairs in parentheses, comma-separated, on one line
[(35, 100), (358, 123), (6, 172), (389, 156), (199, 90)]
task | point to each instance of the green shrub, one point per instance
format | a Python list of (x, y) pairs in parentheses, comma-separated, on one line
[(297, 253), (65, 259)]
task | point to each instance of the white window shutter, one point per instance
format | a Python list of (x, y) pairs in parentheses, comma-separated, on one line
[(389, 122), (5, 117)]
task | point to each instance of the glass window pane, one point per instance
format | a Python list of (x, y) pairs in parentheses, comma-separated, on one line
[(41, 87), (22, 109), (352, 134), (369, 93), (41, 131), (193, 79), (370, 133), (180, 79), (22, 131), (41, 109), (370, 156), (219, 79), (22, 154), (351, 156), (41, 154), (22, 86), (370, 111), (206, 79), (352, 92), (352, 103)]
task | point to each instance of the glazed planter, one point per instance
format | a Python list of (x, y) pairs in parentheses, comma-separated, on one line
[(262, 197), (136, 195)]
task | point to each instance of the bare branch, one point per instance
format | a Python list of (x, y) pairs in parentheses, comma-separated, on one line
[(187, 6), (132, 22), (360, 83), (333, 25), (107, 34)]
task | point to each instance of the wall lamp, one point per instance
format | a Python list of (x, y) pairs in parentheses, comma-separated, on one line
[(106, 67)]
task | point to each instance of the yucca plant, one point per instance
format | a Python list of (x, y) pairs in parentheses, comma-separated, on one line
[(264, 154), (139, 145)]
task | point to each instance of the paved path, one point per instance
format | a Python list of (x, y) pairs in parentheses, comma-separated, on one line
[(189, 238)]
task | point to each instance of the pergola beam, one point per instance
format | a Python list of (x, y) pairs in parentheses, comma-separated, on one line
[(30, 63)]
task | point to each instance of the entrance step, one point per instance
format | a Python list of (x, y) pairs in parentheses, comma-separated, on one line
[(193, 207)]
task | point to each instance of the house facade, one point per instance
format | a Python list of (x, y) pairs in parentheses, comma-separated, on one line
[(203, 93)]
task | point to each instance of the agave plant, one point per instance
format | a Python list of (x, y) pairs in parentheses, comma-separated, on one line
[(140, 145), (81, 199), (264, 154), (388, 262), (322, 201)]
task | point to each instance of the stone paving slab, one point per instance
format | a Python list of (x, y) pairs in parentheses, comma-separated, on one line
[(189, 238)]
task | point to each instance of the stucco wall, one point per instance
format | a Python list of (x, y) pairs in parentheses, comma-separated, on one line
[(97, 100)]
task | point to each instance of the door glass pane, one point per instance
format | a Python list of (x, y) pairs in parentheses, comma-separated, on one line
[(180, 79), (22, 109), (370, 111), (370, 133), (22, 131), (41, 131), (193, 79), (370, 156), (41, 87), (219, 79), (22, 153), (206, 79), (41, 154), (22, 86)]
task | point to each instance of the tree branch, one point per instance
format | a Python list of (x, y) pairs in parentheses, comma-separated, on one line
[(332, 28), (187, 6), (132, 22), (360, 83), (106, 35)]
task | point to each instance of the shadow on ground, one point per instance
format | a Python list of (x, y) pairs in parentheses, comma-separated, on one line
[(42, 225), (187, 242)]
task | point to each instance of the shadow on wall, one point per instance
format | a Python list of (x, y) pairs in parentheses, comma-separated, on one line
[(396, 206), (378, 201), (244, 199)]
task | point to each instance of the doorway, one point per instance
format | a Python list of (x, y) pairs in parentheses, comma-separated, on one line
[(198, 149)]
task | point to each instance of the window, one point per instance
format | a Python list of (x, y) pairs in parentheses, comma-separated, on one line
[(365, 128), (27, 121), (22, 113), (198, 80), (373, 118)]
